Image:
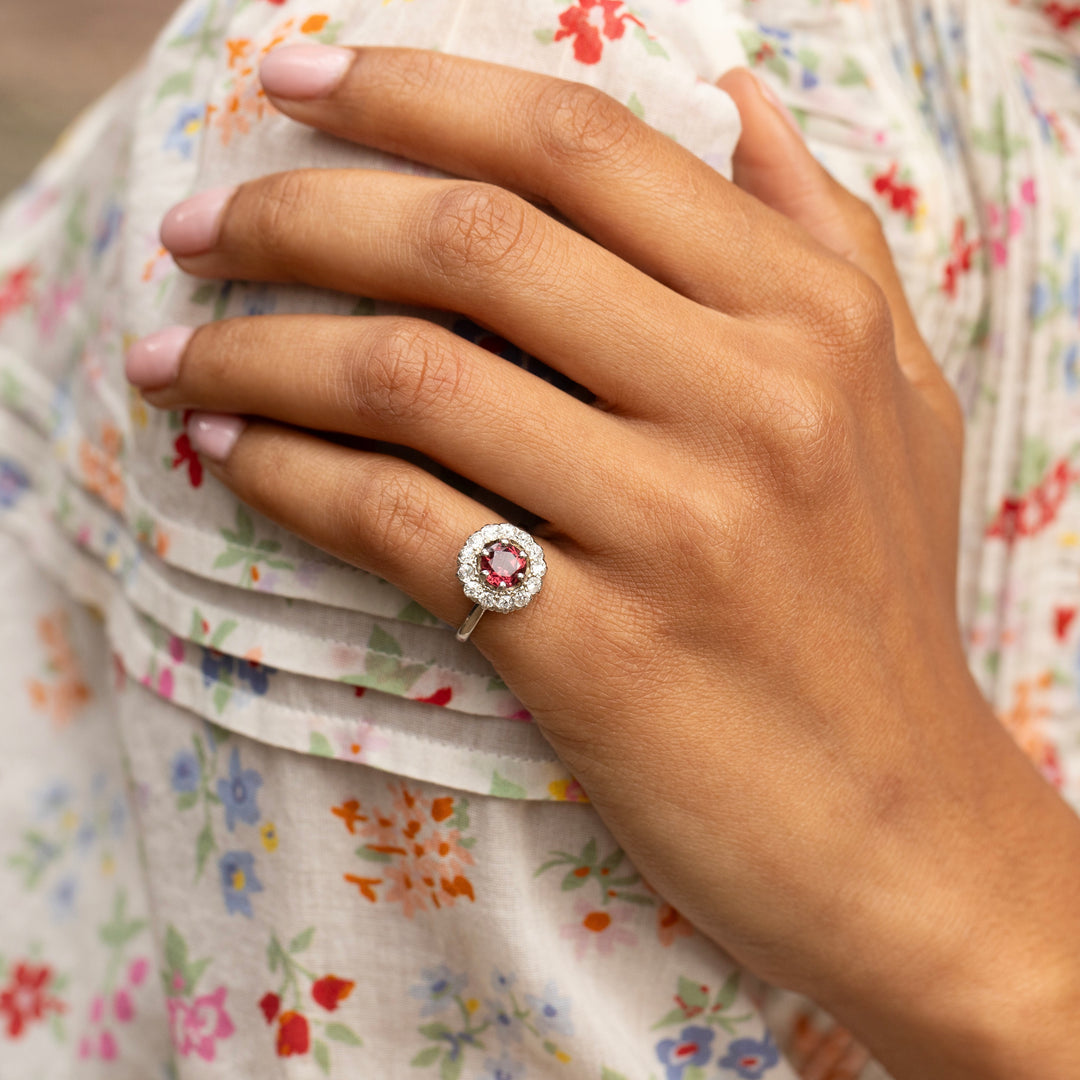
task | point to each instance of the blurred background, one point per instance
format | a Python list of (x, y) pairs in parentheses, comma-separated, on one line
[(57, 56)]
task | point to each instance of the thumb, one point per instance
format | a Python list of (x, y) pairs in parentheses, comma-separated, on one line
[(773, 163)]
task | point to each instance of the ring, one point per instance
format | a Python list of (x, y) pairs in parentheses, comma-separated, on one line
[(502, 568)]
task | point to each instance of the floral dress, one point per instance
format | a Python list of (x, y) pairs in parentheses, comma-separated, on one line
[(263, 815)]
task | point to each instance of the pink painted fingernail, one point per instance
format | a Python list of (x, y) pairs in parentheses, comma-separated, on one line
[(214, 434), (303, 72), (773, 98), (192, 227), (153, 362)]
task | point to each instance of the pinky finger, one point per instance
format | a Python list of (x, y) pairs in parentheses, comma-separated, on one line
[(384, 515)]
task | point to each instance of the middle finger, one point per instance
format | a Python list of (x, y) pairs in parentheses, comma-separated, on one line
[(405, 381), (465, 247)]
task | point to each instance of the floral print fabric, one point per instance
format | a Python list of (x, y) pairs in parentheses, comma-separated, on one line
[(263, 814)]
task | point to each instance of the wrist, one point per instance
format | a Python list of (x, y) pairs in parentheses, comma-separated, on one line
[(975, 972)]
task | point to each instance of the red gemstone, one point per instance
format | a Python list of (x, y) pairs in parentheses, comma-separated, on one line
[(502, 564)]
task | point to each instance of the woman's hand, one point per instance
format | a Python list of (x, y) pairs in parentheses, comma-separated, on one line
[(746, 646)]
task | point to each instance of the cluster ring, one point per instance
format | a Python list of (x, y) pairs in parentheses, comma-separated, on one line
[(501, 568)]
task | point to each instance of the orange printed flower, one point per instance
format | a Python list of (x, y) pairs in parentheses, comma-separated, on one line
[(67, 693)]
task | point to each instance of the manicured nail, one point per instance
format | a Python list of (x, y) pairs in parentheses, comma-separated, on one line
[(773, 98), (214, 434), (154, 362), (192, 227), (303, 72)]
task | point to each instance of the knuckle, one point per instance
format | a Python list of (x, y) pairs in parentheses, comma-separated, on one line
[(810, 438), (409, 371), (474, 228), (388, 506), (575, 123), (279, 201), (855, 317)]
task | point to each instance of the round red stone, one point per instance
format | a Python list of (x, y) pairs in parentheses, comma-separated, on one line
[(502, 564)]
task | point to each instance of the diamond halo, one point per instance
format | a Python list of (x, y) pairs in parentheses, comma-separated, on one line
[(474, 579)]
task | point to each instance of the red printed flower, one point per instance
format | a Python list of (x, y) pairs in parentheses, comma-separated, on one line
[(330, 991), (1062, 15), (902, 197), (270, 1005), (587, 20), (185, 455), (294, 1036), (1029, 514), (963, 250), (15, 290), (26, 999)]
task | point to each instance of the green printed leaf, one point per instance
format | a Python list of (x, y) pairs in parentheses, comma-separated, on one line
[(321, 1052), (373, 856), (676, 1016), (245, 527), (229, 557), (222, 693), (175, 950), (187, 800), (573, 880), (450, 1069), (652, 46), (727, 993), (178, 83), (196, 632), (545, 37), (205, 293), (302, 940), (435, 1030), (506, 789), (414, 613), (589, 852), (320, 745), (269, 546), (382, 642), (204, 845), (343, 1034), (428, 1056), (692, 994), (611, 1074), (222, 632), (273, 955), (495, 683), (852, 73), (635, 106)]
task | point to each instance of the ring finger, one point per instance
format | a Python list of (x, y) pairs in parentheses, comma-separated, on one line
[(405, 381)]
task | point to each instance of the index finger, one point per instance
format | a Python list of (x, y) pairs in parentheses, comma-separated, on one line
[(631, 188)]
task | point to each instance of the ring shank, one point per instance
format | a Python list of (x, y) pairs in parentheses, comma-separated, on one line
[(469, 625)]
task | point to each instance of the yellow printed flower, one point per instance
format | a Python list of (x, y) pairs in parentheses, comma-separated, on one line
[(269, 836)]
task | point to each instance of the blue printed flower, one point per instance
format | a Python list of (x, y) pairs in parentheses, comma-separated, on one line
[(437, 989), (108, 228), (215, 666), (552, 1011), (501, 982), (507, 1026), (53, 799), (1071, 363), (750, 1058), (186, 772), (13, 483), (237, 793), (62, 898), (692, 1047), (503, 1069), (256, 675), (85, 835), (188, 123), (238, 881), (1072, 288)]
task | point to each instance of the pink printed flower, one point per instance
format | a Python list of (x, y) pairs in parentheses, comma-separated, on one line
[(405, 888), (197, 1027), (138, 971), (123, 1008), (588, 22), (446, 847), (359, 741), (603, 928)]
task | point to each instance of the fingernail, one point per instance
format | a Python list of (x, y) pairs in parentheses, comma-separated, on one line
[(154, 362), (214, 434), (302, 72), (192, 227), (773, 98)]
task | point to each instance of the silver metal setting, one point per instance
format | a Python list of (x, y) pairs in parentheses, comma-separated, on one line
[(484, 596)]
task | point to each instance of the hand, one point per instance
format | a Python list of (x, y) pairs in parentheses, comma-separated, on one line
[(746, 646)]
